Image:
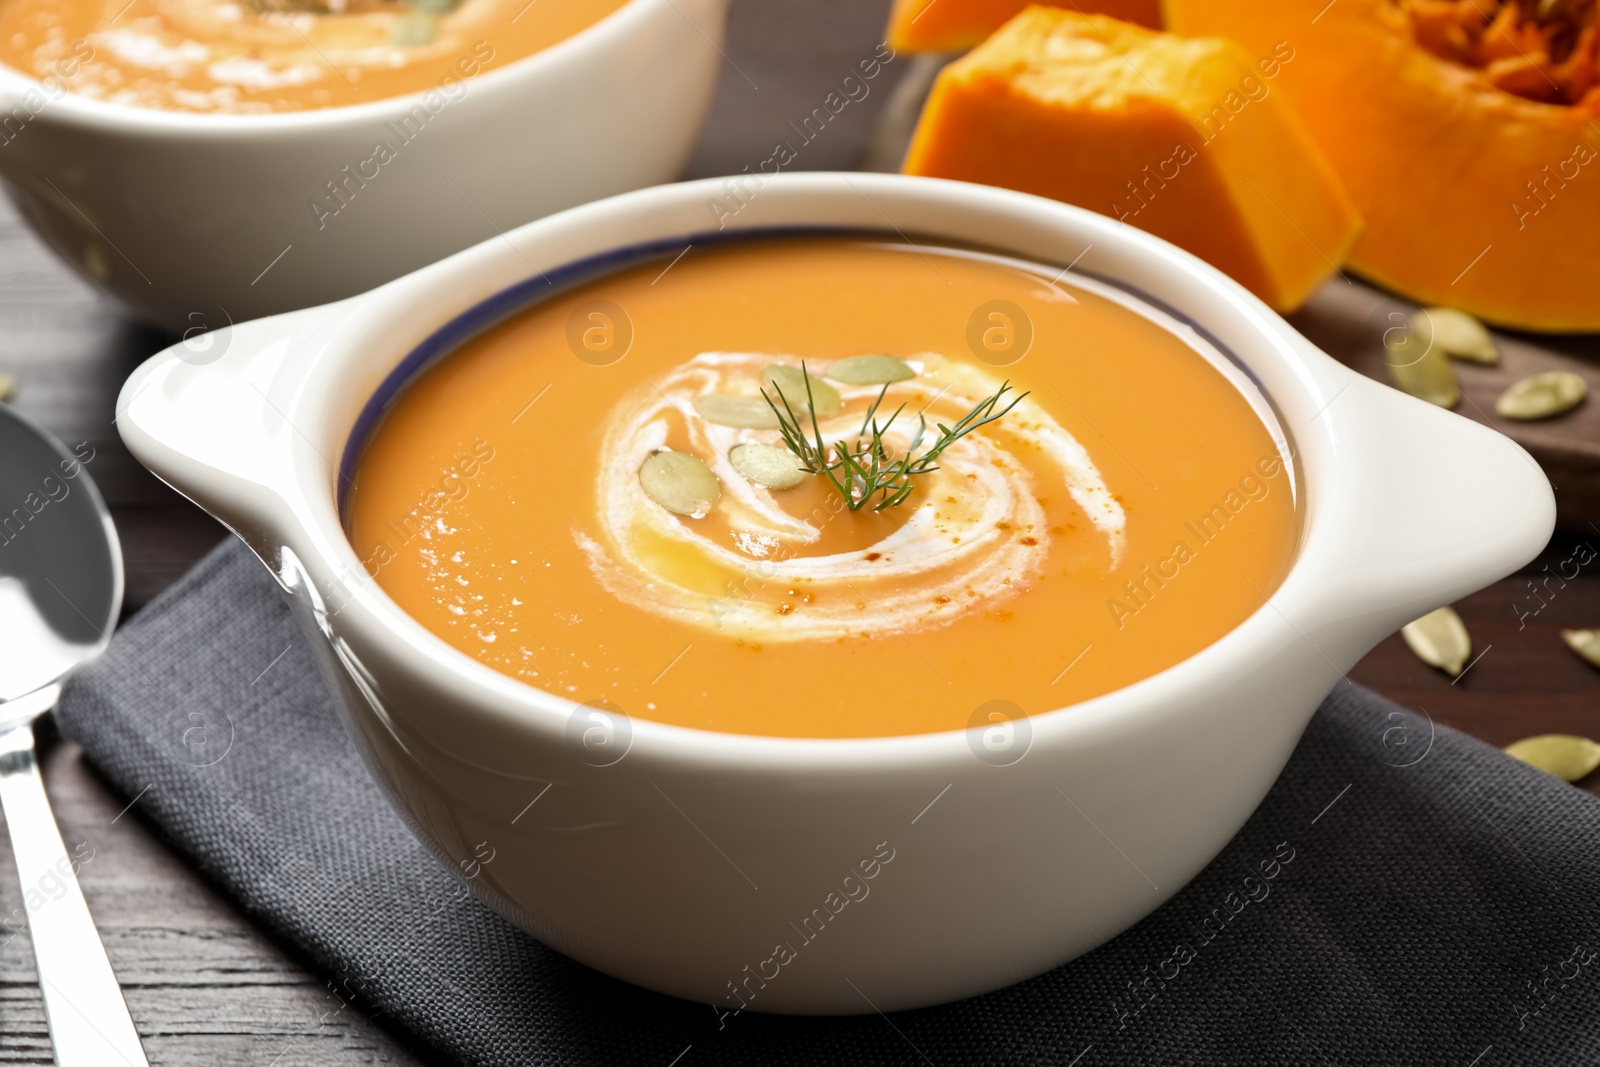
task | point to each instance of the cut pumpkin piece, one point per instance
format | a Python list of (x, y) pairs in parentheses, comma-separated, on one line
[(1466, 133), (957, 25), (1183, 138)]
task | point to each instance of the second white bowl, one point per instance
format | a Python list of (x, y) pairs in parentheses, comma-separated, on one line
[(194, 221)]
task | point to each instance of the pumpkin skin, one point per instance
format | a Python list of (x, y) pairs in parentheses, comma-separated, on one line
[(1183, 138), (957, 25), (1475, 198)]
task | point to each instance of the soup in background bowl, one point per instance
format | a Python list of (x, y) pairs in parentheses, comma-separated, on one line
[(759, 865), (260, 56), (1129, 510), (191, 159)]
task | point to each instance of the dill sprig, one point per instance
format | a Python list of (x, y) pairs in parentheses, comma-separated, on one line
[(864, 467)]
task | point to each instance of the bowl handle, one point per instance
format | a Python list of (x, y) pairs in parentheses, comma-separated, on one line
[(1423, 507), (207, 416)]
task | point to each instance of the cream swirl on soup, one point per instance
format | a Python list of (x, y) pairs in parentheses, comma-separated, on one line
[(762, 564)]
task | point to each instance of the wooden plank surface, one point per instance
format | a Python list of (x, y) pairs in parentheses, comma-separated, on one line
[(206, 987)]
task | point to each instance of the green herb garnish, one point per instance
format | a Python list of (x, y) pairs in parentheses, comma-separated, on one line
[(864, 468)]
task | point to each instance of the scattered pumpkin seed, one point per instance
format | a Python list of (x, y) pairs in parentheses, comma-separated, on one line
[(1461, 335), (1585, 643), (870, 370), (767, 465), (1420, 367), (681, 483), (1563, 755), (1542, 396), (790, 383), (742, 412), (1440, 639), (8, 387), (414, 29)]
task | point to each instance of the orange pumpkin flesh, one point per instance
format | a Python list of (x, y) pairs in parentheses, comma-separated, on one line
[(957, 25), (1180, 137), (1465, 131)]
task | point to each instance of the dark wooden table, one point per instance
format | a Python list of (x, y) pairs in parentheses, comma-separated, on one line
[(206, 986)]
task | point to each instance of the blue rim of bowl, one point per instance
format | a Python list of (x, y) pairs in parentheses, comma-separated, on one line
[(532, 291)]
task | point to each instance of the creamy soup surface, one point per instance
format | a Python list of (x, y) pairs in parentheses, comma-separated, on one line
[(254, 56), (1128, 512)]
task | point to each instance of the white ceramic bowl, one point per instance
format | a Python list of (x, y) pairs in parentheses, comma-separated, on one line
[(693, 856), (193, 221)]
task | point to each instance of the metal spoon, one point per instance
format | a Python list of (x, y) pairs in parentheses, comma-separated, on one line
[(60, 592)]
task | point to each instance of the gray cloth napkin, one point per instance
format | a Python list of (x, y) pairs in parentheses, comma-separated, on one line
[(1430, 900)]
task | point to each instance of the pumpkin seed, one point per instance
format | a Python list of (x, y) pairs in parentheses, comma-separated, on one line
[(1562, 755), (414, 29), (870, 370), (790, 383), (767, 465), (1461, 335), (1585, 643), (743, 412), (1542, 396), (681, 483), (1420, 367), (1440, 639)]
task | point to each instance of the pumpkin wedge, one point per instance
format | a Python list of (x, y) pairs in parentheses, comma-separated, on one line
[(1465, 131), (1184, 138), (957, 25)]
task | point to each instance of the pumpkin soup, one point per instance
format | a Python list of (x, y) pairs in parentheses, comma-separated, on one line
[(827, 487), (248, 56)]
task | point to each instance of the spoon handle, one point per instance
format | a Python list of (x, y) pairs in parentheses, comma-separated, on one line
[(89, 1021)]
